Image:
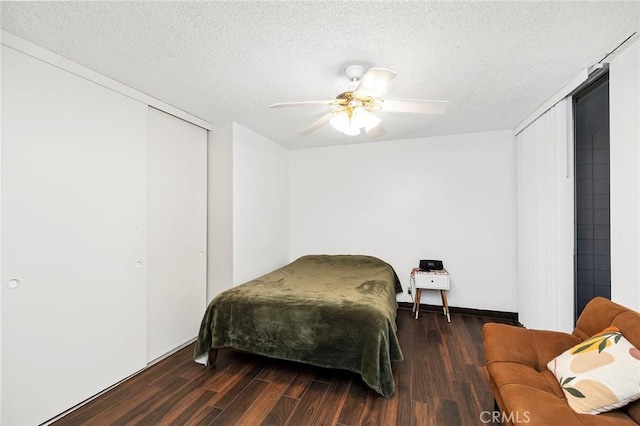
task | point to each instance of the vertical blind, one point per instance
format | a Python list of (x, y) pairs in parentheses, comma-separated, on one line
[(546, 220)]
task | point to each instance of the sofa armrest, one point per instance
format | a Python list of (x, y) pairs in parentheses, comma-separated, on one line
[(534, 348)]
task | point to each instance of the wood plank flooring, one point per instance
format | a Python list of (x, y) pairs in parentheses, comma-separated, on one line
[(440, 382)]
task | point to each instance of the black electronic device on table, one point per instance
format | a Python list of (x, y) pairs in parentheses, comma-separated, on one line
[(431, 265)]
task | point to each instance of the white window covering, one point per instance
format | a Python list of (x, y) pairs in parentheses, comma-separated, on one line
[(546, 220)]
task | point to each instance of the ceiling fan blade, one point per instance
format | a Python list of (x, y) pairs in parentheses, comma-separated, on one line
[(375, 82), (317, 124), (303, 103), (415, 106)]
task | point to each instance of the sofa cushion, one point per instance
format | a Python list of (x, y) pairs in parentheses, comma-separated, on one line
[(509, 373), (600, 374), (598, 314), (534, 348), (526, 405)]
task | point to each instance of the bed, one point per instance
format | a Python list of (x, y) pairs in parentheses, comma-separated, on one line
[(335, 311)]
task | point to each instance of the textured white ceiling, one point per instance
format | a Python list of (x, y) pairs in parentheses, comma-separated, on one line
[(495, 61)]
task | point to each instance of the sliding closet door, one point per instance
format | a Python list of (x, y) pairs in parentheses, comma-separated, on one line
[(177, 231), (74, 188)]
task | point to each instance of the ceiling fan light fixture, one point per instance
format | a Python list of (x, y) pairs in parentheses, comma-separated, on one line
[(362, 117), (342, 122), (350, 120)]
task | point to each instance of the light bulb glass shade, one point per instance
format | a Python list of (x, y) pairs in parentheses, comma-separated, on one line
[(342, 123), (363, 118)]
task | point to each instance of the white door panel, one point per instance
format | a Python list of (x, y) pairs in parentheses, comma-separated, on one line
[(177, 231), (74, 222)]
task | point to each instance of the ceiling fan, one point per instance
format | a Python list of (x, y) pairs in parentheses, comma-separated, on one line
[(353, 109)]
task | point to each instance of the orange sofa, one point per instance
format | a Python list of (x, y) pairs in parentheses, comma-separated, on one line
[(526, 392)]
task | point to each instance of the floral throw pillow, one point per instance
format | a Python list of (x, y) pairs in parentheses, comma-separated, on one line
[(600, 374)]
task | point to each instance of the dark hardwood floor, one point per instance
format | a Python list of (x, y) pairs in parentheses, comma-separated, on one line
[(440, 382)]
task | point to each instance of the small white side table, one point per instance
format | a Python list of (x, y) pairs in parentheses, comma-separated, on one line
[(431, 280)]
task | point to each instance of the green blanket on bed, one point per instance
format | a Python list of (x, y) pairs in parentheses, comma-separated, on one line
[(331, 311)]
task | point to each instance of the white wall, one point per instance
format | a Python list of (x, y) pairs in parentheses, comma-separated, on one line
[(1, 231), (451, 198), (624, 98), (220, 209), (260, 205)]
